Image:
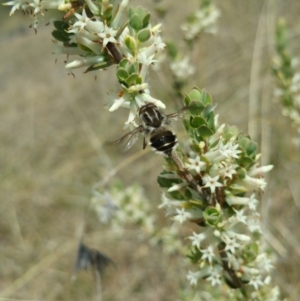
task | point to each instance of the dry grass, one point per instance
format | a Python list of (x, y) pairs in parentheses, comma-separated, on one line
[(53, 132)]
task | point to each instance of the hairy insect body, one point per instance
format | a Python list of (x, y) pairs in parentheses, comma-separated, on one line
[(159, 135), (157, 132)]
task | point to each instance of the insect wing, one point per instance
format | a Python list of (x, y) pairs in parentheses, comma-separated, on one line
[(178, 114), (128, 140)]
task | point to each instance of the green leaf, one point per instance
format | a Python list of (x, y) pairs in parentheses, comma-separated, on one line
[(197, 121), (212, 216), (206, 98), (164, 182), (108, 13), (250, 252), (195, 94), (120, 30), (132, 79), (245, 161), (122, 74), (135, 22), (204, 131), (144, 35), (208, 110), (60, 36), (176, 195), (130, 44), (99, 66), (195, 108), (251, 149), (139, 81), (186, 124), (133, 68), (84, 48), (231, 131), (146, 20), (243, 141), (124, 63), (60, 25), (195, 255), (211, 121), (241, 173), (172, 50), (237, 189)]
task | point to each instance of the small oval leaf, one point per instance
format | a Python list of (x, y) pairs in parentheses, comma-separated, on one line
[(144, 35), (206, 98), (205, 131), (146, 20), (197, 121), (130, 44), (131, 80), (195, 94), (60, 36), (122, 74), (135, 22)]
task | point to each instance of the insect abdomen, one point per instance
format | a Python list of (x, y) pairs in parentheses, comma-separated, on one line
[(163, 141)]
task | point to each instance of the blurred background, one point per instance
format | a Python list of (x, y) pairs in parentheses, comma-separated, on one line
[(54, 129)]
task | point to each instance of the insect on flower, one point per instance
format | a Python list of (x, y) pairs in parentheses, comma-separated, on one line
[(159, 135)]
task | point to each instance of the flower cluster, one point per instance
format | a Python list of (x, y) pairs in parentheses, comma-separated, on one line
[(218, 186), (288, 81), (202, 20), (95, 33), (224, 164), (123, 206)]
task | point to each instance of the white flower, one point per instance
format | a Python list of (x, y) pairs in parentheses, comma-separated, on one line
[(240, 216), (254, 183), (264, 262), (193, 277), (39, 6), (81, 23), (117, 20), (204, 20), (145, 62), (231, 244), (259, 170), (236, 200), (196, 239), (177, 186), (215, 275), (208, 254), (212, 183), (256, 282), (229, 150), (124, 101), (86, 41), (254, 225), (195, 164), (182, 68), (157, 46), (233, 261), (93, 7), (108, 36), (252, 203), (227, 171), (167, 202), (145, 98), (191, 214), (137, 88), (181, 216), (105, 206)]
